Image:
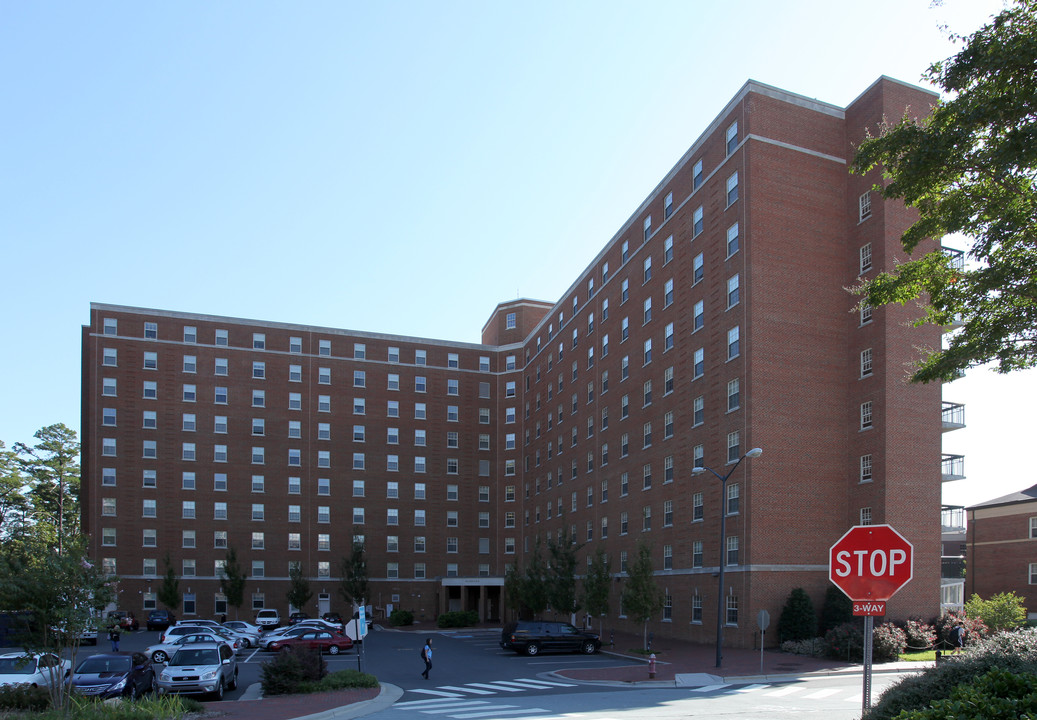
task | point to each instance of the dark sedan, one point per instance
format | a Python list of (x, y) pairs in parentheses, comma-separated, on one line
[(324, 640), (108, 675)]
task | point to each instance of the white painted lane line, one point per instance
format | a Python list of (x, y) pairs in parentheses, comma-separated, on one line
[(823, 693), (435, 692), (750, 688), (439, 703), (459, 688), (788, 690), (525, 685), (546, 682), (710, 688), (495, 687), (497, 713)]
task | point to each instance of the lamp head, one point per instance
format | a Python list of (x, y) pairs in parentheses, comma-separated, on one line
[(754, 453), (698, 470)]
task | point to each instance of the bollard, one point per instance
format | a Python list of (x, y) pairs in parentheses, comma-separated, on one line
[(651, 666), (939, 656)]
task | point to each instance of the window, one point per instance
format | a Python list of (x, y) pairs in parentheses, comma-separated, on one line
[(258, 568), (668, 293), (111, 357), (187, 451), (732, 609), (700, 363), (190, 334), (108, 417), (150, 331), (108, 477), (732, 343), (865, 258), (698, 222), (150, 389), (258, 541), (624, 523), (865, 516), (733, 498), (732, 137), (734, 446), (696, 175), (295, 345), (258, 512), (697, 269), (509, 321), (647, 269), (865, 313), (668, 337), (696, 507), (864, 207), (420, 357), (219, 511), (258, 370), (732, 189), (732, 550), (866, 415), (865, 474), (1033, 528), (258, 341), (732, 240), (324, 348), (187, 510), (258, 398), (866, 362), (108, 448), (648, 351), (359, 378), (668, 205), (187, 481), (732, 291), (149, 508)]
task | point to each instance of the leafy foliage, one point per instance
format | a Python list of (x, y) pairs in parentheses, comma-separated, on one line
[(233, 579), (52, 468), (798, 621), (341, 680), (561, 573), (23, 697), (526, 589), (975, 629), (400, 618), (838, 609), (969, 168), (995, 695), (888, 643), (1004, 611), (814, 647), (458, 618), (169, 590), (286, 672), (299, 592), (642, 597), (846, 642), (353, 587), (920, 635), (597, 583)]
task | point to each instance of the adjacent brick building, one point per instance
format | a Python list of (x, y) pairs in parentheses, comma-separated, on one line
[(1001, 539), (714, 321)]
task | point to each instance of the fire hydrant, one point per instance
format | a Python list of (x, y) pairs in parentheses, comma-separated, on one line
[(651, 666)]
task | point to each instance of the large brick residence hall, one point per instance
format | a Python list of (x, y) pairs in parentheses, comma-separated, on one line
[(716, 320)]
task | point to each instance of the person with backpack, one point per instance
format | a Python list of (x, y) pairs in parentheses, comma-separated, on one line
[(958, 637), (113, 636), (426, 655)]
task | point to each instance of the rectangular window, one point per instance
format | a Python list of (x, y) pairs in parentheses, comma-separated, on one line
[(696, 554), (865, 516), (734, 446), (696, 175), (732, 291), (865, 313), (698, 220), (865, 474), (864, 206), (732, 137), (700, 364), (190, 334), (732, 189), (732, 240), (865, 258), (732, 550), (733, 344), (866, 362), (324, 348), (733, 498), (866, 415), (733, 395)]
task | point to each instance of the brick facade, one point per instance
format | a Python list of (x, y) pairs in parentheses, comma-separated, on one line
[(716, 320)]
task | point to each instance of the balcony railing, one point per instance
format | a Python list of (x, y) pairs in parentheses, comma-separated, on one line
[(953, 416), (952, 519), (957, 257), (952, 567), (953, 467)]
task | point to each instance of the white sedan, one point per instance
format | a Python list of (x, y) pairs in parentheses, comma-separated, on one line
[(31, 669), (161, 652)]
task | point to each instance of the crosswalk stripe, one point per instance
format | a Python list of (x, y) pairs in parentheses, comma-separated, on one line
[(438, 703), (435, 692), (858, 698), (787, 690), (709, 688), (545, 682), (750, 688), (525, 684), (496, 687), (823, 693), (464, 689), (497, 713)]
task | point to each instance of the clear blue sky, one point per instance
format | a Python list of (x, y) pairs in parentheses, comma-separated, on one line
[(286, 161)]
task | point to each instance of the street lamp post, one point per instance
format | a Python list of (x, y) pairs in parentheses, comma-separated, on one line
[(755, 452)]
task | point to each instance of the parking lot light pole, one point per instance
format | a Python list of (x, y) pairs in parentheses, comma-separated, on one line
[(754, 453)]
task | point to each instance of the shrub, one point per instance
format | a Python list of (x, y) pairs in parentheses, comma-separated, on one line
[(997, 694), (815, 647), (920, 636), (845, 642), (341, 680), (1004, 611), (837, 609), (399, 618), (798, 620), (1014, 652), (22, 697), (888, 643), (286, 672), (457, 618), (974, 629)]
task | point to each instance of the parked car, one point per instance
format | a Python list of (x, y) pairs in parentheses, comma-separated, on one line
[(532, 638), (160, 619), (319, 624), (162, 651), (268, 619), (324, 640), (280, 633), (243, 626), (34, 669), (332, 617), (245, 639), (202, 669), (107, 675), (297, 617), (125, 619)]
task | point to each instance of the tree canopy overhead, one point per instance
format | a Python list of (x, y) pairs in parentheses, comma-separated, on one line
[(969, 168)]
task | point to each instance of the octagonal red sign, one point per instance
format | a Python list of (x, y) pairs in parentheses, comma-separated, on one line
[(871, 562)]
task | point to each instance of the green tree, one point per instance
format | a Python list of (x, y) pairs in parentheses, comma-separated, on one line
[(798, 620), (62, 594), (535, 597), (561, 573), (353, 587), (838, 609), (642, 597), (232, 580), (13, 503), (969, 168), (52, 465), (596, 585), (299, 592), (1004, 611), (169, 590)]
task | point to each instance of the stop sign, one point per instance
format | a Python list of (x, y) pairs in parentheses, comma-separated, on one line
[(871, 562)]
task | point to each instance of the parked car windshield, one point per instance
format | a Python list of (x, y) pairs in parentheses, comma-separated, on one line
[(196, 657), (17, 666), (96, 665)]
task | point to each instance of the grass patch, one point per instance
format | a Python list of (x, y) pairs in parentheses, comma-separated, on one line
[(919, 656), (644, 653)]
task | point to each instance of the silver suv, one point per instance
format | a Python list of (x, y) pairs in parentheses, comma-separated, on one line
[(200, 669), (268, 619)]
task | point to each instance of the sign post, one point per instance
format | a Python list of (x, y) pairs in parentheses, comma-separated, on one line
[(763, 620), (869, 564)]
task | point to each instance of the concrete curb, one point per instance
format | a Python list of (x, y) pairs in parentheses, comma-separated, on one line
[(388, 695)]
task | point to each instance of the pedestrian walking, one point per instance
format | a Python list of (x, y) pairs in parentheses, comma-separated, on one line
[(113, 636), (958, 637), (426, 655)]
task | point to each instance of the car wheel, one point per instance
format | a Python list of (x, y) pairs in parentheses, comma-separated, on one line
[(588, 648), (246, 642), (159, 656), (333, 649), (532, 649), (233, 681), (218, 692)]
